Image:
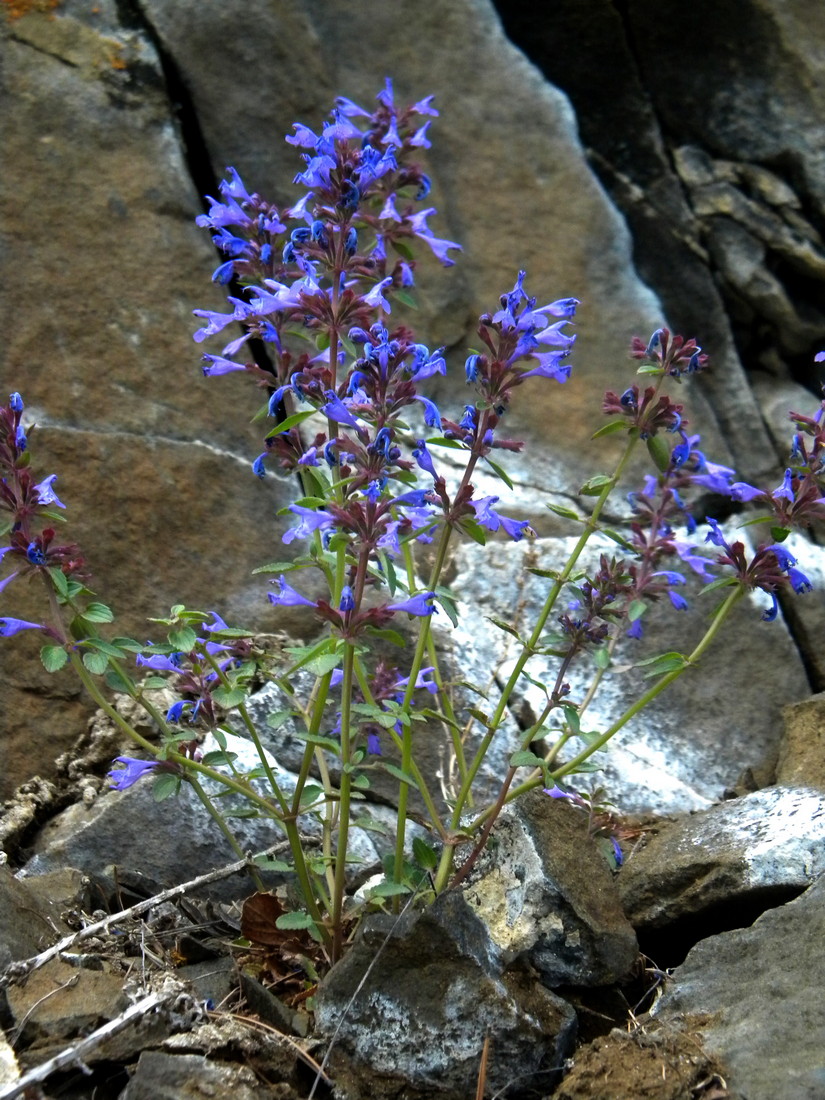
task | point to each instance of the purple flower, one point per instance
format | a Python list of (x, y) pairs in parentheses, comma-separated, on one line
[(488, 517), (287, 596), (160, 663), (336, 410), (347, 602), (373, 743), (216, 364), (424, 459), (432, 417), (310, 523), (785, 490), (415, 605), (175, 712), (440, 247), (10, 626), (45, 492), (131, 772)]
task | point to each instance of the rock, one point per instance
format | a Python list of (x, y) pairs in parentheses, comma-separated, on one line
[(59, 1001), (653, 1063), (545, 893), (32, 914), (802, 750), (111, 198), (765, 843), (686, 747), (129, 829), (162, 1076), (754, 996), (419, 1020)]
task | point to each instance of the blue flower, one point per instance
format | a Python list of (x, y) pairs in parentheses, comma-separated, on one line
[(160, 663), (785, 490), (432, 417), (9, 626), (347, 601), (310, 523), (15, 402), (424, 459), (287, 596), (131, 772), (216, 364), (415, 605)]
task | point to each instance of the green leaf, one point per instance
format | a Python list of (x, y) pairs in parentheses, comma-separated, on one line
[(316, 739), (610, 428), (290, 422), (389, 890), (279, 718), (217, 756), (118, 681), (424, 855), (720, 582), (294, 921), (267, 863), (594, 485), (565, 513), (636, 609), (361, 782), (311, 794), (403, 250), (659, 450), (54, 657), (664, 663), (779, 534), (129, 644), (407, 298), (649, 368), (397, 773), (228, 697), (324, 663), (153, 683), (105, 647), (601, 657), (617, 538), (183, 639), (59, 580), (474, 530), (499, 472), (278, 567), (96, 663), (97, 613), (526, 759), (166, 784), (502, 625), (448, 602)]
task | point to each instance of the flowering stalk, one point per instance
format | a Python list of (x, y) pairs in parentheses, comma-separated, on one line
[(317, 283)]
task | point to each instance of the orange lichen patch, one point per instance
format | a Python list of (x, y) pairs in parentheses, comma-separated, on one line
[(115, 56), (16, 9)]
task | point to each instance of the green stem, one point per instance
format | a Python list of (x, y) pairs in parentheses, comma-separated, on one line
[(529, 647), (407, 732), (344, 806), (220, 821)]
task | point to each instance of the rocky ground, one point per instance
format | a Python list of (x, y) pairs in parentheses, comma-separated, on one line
[(694, 971)]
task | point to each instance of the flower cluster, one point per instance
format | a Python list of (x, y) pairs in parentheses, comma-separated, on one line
[(32, 547)]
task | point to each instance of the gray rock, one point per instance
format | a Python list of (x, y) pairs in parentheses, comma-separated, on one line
[(770, 840), (162, 1076), (802, 751), (427, 1002), (754, 996), (681, 751), (169, 841), (546, 894)]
